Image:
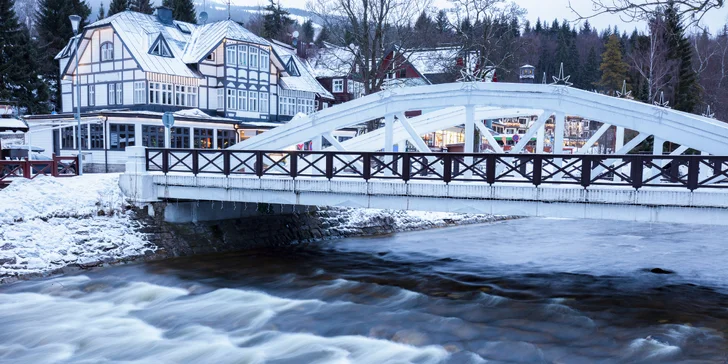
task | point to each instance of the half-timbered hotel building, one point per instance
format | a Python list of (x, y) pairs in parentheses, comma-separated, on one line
[(223, 81)]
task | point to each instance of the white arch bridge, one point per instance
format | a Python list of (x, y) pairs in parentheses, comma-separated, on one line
[(366, 172)]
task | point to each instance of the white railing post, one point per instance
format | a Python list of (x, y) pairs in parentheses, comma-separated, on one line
[(469, 138)]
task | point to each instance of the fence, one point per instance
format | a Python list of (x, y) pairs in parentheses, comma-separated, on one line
[(690, 172), (57, 167)]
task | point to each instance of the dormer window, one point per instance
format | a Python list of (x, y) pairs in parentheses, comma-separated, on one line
[(160, 48), (210, 57), (107, 52)]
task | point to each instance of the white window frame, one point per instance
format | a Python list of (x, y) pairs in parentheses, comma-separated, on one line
[(191, 96), (264, 103), (91, 95), (253, 101), (337, 85), (221, 98), (231, 53), (264, 61), (232, 100), (253, 56), (243, 100), (140, 91), (243, 56), (161, 93), (107, 51), (350, 86), (119, 94)]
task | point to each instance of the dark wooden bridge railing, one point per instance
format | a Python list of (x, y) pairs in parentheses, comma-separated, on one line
[(57, 167), (689, 171)]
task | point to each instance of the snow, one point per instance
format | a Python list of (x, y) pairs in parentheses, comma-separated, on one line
[(48, 223)]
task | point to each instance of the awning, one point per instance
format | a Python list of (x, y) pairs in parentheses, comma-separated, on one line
[(12, 124)]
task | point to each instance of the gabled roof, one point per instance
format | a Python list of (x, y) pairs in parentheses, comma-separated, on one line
[(188, 43), (306, 81), (332, 61), (206, 37), (434, 60)]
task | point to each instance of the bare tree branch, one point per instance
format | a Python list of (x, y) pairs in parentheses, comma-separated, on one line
[(637, 10)]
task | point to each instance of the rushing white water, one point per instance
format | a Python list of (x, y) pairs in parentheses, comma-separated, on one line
[(522, 291)]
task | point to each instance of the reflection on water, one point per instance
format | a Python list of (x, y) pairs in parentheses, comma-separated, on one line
[(526, 291)]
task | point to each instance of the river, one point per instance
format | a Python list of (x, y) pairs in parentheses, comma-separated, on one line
[(519, 291)]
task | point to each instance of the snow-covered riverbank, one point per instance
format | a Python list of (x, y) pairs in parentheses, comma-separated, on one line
[(47, 224)]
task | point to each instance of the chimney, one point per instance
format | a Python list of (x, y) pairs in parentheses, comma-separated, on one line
[(164, 15)]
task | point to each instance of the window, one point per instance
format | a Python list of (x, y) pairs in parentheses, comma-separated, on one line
[(160, 93), (231, 100), (264, 102), (161, 49), (230, 56), (119, 94), (338, 85), (225, 138), (210, 57), (203, 138), (252, 101), (264, 61), (179, 138), (191, 96), (350, 86), (112, 94), (402, 73), (107, 52), (242, 99), (97, 136), (121, 136), (299, 107), (91, 95), (220, 98), (253, 57), (115, 94), (180, 96), (153, 136), (140, 89), (288, 105), (84, 136), (243, 56), (67, 138)]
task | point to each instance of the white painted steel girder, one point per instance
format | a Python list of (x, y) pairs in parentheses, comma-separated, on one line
[(686, 129)]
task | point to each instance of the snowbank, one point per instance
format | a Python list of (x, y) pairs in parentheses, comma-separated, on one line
[(49, 223)]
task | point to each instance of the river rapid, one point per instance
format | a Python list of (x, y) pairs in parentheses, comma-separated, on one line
[(519, 291)]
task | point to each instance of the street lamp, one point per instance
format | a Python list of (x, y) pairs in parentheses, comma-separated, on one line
[(75, 22)]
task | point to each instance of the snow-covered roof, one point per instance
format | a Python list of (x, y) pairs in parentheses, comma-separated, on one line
[(306, 79), (206, 37), (332, 61), (12, 124), (188, 43), (433, 60)]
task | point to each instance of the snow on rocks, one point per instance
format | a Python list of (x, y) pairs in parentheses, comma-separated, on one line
[(351, 221), (49, 223)]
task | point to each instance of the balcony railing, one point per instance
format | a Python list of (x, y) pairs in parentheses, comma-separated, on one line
[(637, 171)]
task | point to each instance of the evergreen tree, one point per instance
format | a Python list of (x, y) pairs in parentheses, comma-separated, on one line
[(54, 30), (102, 12), (589, 74), (686, 93), (307, 31), (538, 29), (586, 29), (182, 10), (573, 66), (19, 66), (118, 6), (527, 27), (423, 23), (614, 69), (442, 24), (276, 21), (141, 6), (322, 37)]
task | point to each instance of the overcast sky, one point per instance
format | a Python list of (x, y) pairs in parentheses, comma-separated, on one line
[(550, 9)]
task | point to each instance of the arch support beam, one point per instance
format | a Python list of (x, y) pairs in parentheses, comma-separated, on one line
[(413, 136)]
